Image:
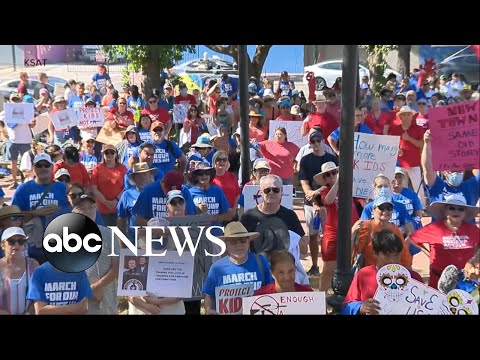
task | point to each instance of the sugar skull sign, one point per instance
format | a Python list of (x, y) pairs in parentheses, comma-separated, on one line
[(393, 281), (460, 302)]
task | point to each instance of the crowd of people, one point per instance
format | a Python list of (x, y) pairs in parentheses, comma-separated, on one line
[(158, 171)]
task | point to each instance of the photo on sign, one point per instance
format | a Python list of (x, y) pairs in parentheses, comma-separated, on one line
[(18, 113), (135, 270), (64, 118)]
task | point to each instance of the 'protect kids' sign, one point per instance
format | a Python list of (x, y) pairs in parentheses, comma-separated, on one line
[(372, 155), (455, 136)]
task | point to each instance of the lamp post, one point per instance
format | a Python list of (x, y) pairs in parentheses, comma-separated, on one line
[(343, 276), (244, 131)]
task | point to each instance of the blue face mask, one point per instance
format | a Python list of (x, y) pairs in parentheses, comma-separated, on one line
[(384, 191), (455, 179)]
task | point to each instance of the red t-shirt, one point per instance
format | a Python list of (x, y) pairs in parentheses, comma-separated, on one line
[(22, 88), (195, 132), (422, 121), (126, 119), (377, 124), (109, 182), (186, 100), (410, 156), (280, 157), (160, 114), (285, 118), (446, 248), (326, 121), (270, 289), (228, 182), (78, 173), (335, 111), (364, 284), (256, 133)]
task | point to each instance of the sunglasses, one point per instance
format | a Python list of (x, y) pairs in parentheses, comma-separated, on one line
[(456, 208), (236, 241), (157, 130), (122, 103), (73, 196), (276, 190), (221, 159), (152, 101), (20, 242), (202, 173), (176, 202), (315, 141), (385, 207), (40, 166), (90, 141), (330, 173), (109, 152), (16, 218)]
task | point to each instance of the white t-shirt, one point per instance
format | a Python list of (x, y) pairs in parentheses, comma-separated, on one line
[(26, 164), (20, 134)]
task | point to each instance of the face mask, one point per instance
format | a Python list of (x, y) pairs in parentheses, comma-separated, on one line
[(183, 91), (384, 191), (455, 179)]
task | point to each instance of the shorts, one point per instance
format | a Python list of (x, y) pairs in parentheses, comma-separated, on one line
[(16, 150), (309, 219), (329, 248)]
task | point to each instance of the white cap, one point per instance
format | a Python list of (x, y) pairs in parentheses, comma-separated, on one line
[(12, 231), (87, 136), (42, 156), (61, 172), (158, 222)]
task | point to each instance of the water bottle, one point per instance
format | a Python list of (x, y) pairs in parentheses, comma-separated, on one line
[(317, 222)]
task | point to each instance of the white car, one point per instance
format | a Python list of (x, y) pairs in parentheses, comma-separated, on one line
[(327, 72)]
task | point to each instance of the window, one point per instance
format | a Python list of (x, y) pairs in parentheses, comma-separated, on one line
[(13, 84), (332, 66)]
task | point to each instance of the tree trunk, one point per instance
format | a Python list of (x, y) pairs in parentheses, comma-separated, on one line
[(373, 59), (151, 76), (403, 63)]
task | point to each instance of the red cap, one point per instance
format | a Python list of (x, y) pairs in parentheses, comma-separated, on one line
[(173, 179)]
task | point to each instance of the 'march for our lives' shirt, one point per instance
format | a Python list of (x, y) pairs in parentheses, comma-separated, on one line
[(214, 197), (225, 272), (163, 158), (152, 202), (56, 287)]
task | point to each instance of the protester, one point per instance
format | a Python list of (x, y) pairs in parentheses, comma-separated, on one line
[(71, 162), (226, 180), (127, 147), (320, 118)]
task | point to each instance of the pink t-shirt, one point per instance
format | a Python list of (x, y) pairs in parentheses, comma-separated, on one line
[(280, 157)]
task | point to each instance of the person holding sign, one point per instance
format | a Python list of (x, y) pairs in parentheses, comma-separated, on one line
[(282, 266), (239, 267), (387, 249), (119, 115)]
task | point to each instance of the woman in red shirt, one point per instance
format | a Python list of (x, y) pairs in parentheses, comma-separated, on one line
[(377, 119), (451, 239), (254, 128), (193, 123), (107, 184), (71, 162), (120, 116), (328, 179), (282, 266), (225, 179)]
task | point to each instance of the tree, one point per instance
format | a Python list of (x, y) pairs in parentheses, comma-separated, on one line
[(151, 60), (403, 63), (255, 65), (377, 63)]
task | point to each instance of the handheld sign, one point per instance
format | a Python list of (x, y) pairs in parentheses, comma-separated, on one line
[(229, 298), (90, 117), (18, 113), (293, 131), (293, 303), (180, 112), (64, 118), (252, 196)]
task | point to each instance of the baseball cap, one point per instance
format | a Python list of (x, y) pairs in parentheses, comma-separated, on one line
[(382, 200), (61, 172), (315, 134), (108, 147), (42, 157), (174, 194), (261, 163), (14, 96), (363, 86), (88, 136), (156, 124), (12, 231), (82, 197), (399, 170), (132, 129), (320, 97)]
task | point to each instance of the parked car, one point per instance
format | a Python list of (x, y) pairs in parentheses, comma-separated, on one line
[(11, 85), (327, 72), (467, 65)]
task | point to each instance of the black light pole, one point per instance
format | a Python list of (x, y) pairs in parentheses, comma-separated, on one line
[(244, 132), (343, 276), (357, 85), (14, 58)]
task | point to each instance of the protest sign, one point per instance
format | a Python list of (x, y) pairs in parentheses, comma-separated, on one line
[(64, 118), (252, 196), (90, 117), (372, 155), (292, 303), (110, 136), (18, 113), (399, 294), (228, 298), (2, 101), (455, 138), (59, 89), (460, 302), (41, 123), (293, 131), (212, 128), (180, 112), (165, 276)]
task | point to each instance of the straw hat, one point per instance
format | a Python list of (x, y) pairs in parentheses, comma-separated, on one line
[(437, 208), (14, 210), (235, 229), (253, 113), (328, 166), (142, 167), (406, 109)]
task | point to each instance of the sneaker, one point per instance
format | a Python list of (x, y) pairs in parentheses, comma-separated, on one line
[(314, 270)]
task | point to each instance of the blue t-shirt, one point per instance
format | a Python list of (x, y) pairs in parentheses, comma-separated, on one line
[(56, 287), (412, 203), (99, 219), (135, 103), (335, 135), (100, 80), (225, 272), (125, 207), (399, 214), (2, 194), (112, 104), (152, 202), (129, 152), (285, 88), (158, 176), (97, 99), (215, 199), (197, 157), (76, 102), (230, 87), (164, 104), (90, 160), (144, 135), (163, 158)]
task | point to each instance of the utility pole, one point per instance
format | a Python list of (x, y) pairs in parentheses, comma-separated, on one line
[(343, 276), (14, 58), (244, 131)]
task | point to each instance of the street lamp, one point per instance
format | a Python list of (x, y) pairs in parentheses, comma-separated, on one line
[(244, 96)]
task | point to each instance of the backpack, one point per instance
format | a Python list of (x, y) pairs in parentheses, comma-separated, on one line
[(358, 245)]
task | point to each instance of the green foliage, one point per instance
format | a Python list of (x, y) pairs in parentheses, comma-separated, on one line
[(377, 63), (126, 76)]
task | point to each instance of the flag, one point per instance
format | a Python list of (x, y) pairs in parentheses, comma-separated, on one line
[(476, 50)]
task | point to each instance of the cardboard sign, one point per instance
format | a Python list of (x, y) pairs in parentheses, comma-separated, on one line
[(293, 303), (18, 113), (64, 118), (455, 136), (164, 276), (41, 123), (59, 89), (212, 128), (252, 196), (90, 117), (110, 136), (460, 302), (293, 131), (372, 155), (180, 112), (228, 298)]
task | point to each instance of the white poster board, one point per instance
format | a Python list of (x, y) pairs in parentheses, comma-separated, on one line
[(228, 298), (62, 119), (90, 117), (293, 303), (165, 276), (179, 113), (293, 131), (252, 196), (59, 89), (212, 128), (460, 302), (41, 123), (372, 155), (18, 113)]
